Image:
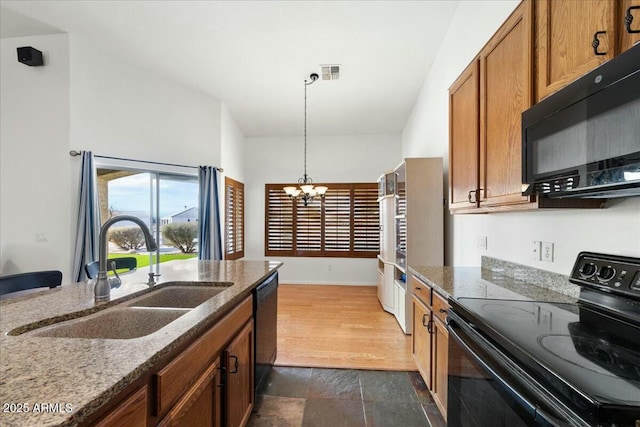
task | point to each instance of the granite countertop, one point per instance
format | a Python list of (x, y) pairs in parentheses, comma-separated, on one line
[(476, 282), (83, 374)]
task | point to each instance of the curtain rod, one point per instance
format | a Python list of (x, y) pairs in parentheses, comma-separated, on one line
[(74, 153)]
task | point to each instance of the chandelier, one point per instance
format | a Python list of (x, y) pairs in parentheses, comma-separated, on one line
[(306, 191)]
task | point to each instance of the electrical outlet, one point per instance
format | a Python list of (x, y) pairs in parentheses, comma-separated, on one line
[(536, 250), (329, 267), (482, 242), (547, 251), (42, 237)]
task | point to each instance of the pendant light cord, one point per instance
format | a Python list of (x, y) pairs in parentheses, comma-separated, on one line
[(305, 130)]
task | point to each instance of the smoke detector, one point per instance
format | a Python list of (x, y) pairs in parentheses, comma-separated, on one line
[(330, 72)]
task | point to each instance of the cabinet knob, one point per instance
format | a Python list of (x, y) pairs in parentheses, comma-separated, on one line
[(424, 322), (475, 196), (628, 19), (596, 42), (443, 310), (418, 289)]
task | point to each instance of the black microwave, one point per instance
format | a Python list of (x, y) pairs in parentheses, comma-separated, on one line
[(584, 140)]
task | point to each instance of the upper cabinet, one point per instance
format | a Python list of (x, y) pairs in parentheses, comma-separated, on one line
[(464, 117), (574, 37), (505, 92), (629, 17), (485, 106)]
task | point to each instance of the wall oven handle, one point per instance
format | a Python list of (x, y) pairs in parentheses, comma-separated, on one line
[(517, 396)]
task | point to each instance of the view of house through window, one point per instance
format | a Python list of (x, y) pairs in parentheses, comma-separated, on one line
[(168, 205)]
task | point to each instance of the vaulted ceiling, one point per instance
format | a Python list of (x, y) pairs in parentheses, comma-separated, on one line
[(255, 55)]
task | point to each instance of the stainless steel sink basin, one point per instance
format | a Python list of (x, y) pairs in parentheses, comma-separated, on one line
[(115, 323), (177, 296)]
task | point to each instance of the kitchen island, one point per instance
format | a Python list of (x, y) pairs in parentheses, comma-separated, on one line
[(66, 381)]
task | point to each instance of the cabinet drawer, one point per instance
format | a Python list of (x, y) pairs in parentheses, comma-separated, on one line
[(421, 290), (440, 307), (173, 380)]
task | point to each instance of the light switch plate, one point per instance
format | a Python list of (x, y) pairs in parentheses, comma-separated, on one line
[(547, 251)]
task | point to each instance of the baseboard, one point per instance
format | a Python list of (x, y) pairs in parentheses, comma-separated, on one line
[(327, 283)]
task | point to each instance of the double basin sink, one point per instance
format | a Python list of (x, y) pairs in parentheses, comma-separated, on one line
[(135, 318)]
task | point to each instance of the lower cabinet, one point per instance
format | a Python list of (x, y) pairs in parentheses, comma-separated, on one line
[(200, 405), (440, 365), (422, 339), (430, 341), (208, 383), (239, 382)]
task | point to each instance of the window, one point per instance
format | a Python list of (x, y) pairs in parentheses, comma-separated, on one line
[(234, 219), (162, 200), (343, 224)]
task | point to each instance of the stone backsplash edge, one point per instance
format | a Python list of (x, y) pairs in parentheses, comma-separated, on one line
[(542, 278)]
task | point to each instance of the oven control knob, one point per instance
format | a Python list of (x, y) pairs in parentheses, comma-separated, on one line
[(588, 270), (606, 273)]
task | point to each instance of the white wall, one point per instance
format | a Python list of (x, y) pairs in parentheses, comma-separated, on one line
[(232, 146), (355, 158), (84, 99), (34, 159), (509, 235)]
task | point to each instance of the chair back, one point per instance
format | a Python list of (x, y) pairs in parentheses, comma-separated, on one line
[(31, 280), (130, 263)]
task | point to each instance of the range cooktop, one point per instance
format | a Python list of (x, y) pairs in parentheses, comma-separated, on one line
[(566, 346)]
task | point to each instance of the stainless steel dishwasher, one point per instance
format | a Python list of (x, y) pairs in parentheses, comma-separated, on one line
[(265, 314)]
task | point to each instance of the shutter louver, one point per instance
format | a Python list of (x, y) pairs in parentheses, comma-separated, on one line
[(308, 227)]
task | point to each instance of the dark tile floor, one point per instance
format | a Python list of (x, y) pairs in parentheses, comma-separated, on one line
[(343, 397)]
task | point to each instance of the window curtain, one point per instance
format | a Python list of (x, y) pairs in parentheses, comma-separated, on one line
[(88, 227), (209, 231)]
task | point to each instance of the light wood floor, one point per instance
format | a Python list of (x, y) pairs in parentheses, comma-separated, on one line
[(339, 327)]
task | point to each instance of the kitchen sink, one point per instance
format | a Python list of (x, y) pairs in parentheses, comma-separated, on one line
[(178, 296), (115, 323), (133, 318)]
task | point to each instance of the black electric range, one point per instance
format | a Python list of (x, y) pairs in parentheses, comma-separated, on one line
[(539, 363)]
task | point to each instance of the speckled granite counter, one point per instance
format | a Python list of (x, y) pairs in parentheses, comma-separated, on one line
[(475, 282), (83, 374)]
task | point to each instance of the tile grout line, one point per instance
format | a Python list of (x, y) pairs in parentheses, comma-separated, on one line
[(364, 412)]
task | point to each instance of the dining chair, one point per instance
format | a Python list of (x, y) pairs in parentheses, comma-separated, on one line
[(92, 268), (31, 280)]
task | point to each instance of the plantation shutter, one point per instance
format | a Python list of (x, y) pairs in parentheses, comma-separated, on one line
[(337, 214), (308, 228), (279, 222), (234, 219), (343, 224), (366, 220)]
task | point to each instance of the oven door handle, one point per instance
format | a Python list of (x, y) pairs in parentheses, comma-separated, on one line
[(512, 391)]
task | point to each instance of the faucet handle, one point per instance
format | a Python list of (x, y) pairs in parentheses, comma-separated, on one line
[(114, 282)]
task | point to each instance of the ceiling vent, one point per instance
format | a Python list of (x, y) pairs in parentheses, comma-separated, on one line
[(330, 72)]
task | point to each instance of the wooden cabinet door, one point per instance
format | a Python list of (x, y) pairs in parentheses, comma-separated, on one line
[(131, 412), (565, 33), (440, 365), (463, 139), (505, 92), (421, 339), (200, 405), (239, 378), (629, 34)]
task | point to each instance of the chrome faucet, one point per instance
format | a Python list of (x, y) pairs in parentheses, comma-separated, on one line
[(103, 286)]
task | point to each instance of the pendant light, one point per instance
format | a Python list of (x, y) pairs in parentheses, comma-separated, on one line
[(306, 190)]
